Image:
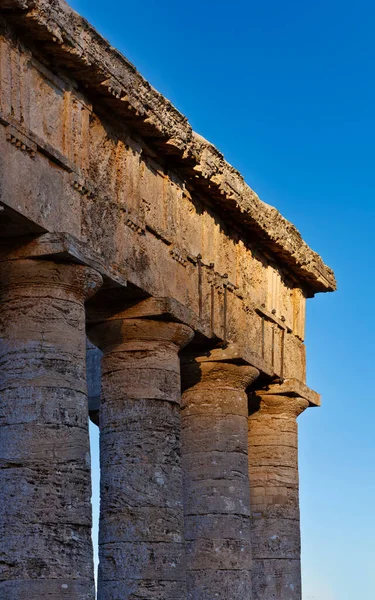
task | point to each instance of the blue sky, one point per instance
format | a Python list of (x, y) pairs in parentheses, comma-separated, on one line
[(286, 91)]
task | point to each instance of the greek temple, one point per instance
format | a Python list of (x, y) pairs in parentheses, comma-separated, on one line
[(145, 286)]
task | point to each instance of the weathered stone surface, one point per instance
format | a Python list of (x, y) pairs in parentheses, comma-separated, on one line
[(216, 480), (292, 387), (109, 195), (273, 471), (279, 579), (99, 171), (219, 584), (99, 67), (45, 517), (141, 545)]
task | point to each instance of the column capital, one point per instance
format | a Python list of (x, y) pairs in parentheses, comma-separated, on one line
[(276, 404), (291, 387), (221, 375), (37, 275), (118, 333), (59, 247), (159, 308), (204, 372)]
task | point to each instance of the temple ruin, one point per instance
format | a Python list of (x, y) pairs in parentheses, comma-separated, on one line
[(121, 224)]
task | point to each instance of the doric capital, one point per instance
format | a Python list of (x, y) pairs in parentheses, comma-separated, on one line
[(277, 405), (208, 374), (121, 332), (291, 387), (33, 278)]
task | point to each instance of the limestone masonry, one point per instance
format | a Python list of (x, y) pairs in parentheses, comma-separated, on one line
[(143, 282)]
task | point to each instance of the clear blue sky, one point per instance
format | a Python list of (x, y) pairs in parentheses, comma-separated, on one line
[(286, 90)]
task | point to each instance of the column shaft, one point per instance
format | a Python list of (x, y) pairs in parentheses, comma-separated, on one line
[(141, 548), (45, 486), (216, 480), (273, 464)]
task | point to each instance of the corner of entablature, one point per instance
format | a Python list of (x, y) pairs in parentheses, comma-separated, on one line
[(289, 387)]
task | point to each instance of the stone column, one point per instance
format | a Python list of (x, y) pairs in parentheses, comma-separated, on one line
[(216, 480), (273, 463), (45, 486), (141, 519)]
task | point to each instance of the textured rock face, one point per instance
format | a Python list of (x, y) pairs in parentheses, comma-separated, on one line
[(45, 489), (101, 178)]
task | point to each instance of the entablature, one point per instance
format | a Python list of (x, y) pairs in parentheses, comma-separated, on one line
[(115, 87)]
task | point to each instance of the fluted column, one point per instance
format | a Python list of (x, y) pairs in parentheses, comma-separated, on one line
[(273, 461), (141, 548), (216, 480), (45, 486)]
